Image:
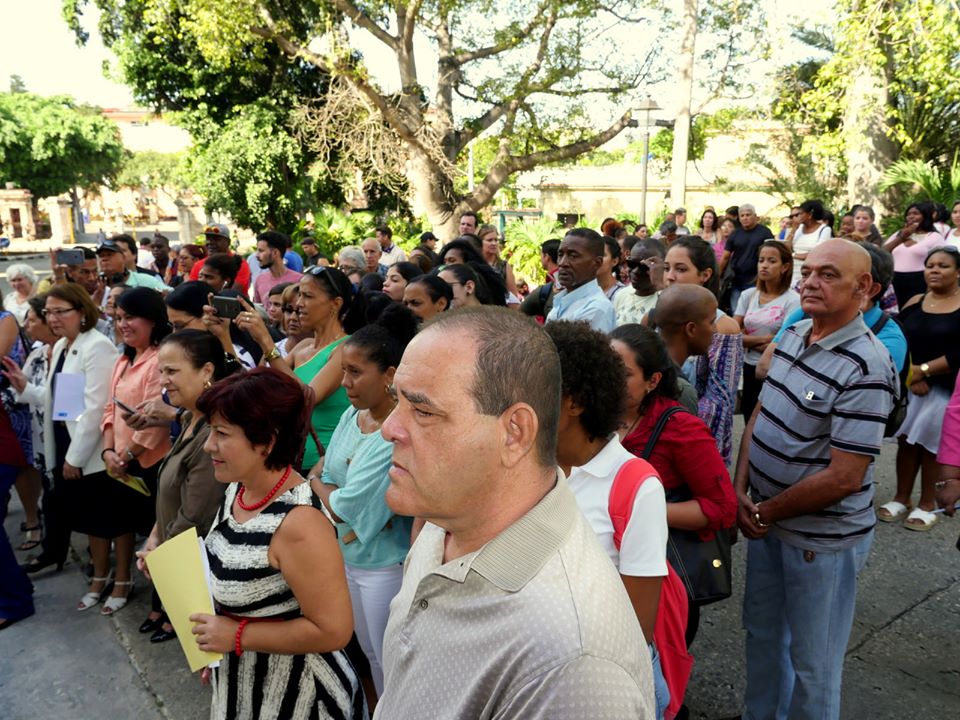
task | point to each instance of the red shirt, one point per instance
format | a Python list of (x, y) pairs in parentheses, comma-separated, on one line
[(243, 274), (686, 455)]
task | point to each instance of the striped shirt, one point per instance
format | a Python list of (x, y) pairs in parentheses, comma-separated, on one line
[(833, 393)]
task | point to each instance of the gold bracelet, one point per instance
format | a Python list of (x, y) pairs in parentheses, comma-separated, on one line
[(272, 355)]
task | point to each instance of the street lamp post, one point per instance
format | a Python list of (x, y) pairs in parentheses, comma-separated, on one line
[(647, 106)]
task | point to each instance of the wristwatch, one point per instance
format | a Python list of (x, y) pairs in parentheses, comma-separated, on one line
[(925, 369), (273, 354)]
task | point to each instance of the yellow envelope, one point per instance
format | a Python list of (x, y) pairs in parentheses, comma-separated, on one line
[(178, 571), (133, 482)]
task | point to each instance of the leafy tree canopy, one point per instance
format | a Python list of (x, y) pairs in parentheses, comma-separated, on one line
[(51, 145)]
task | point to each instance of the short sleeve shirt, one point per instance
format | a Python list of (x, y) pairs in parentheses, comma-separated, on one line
[(744, 248)]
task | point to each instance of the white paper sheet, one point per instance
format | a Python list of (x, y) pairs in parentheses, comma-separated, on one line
[(68, 396)]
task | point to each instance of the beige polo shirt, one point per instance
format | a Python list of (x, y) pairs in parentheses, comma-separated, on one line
[(535, 624)]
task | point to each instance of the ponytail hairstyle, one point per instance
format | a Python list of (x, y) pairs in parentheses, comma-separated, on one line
[(488, 285), (702, 257), (387, 336)]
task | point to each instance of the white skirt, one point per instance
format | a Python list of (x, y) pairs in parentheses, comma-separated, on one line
[(924, 418)]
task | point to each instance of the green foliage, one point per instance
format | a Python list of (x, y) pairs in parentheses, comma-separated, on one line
[(925, 181), (251, 169), (152, 169), (912, 46), (51, 145), (333, 228), (522, 241), (17, 85)]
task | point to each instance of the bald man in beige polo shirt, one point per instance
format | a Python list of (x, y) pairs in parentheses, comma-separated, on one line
[(509, 607)]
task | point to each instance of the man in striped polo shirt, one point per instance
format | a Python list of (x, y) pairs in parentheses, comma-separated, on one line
[(805, 484)]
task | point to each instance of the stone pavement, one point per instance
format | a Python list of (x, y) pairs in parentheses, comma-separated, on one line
[(903, 660)]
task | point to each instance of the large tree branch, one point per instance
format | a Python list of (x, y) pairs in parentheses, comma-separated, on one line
[(500, 171), (508, 43), (364, 21), (390, 113)]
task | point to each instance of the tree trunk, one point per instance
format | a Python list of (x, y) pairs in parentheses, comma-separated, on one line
[(681, 129), (868, 147), (428, 198)]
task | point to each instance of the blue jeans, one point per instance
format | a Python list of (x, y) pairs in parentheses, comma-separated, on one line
[(660, 690), (797, 611)]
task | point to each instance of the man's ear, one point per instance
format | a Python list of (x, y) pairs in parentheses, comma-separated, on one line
[(520, 426)]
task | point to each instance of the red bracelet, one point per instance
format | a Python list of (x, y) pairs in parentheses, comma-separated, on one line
[(236, 643)]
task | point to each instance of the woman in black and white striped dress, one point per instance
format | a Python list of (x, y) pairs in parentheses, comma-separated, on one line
[(278, 580)]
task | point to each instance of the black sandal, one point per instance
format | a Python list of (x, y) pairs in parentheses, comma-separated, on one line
[(30, 543)]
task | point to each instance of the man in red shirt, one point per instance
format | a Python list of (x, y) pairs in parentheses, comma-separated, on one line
[(218, 241)]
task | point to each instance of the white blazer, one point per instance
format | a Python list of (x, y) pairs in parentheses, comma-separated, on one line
[(93, 356)]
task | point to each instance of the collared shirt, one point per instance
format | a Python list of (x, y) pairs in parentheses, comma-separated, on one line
[(391, 255), (643, 549), (535, 624), (833, 393), (587, 303)]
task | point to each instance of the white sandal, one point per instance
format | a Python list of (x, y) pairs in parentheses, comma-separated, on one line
[(94, 596), (894, 511), (924, 520), (115, 604)]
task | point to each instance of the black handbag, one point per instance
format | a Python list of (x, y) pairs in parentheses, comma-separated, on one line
[(703, 566)]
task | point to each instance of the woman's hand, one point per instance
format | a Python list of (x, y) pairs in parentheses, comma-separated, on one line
[(114, 462), (251, 321), (71, 473), (216, 325), (920, 387), (151, 413), (214, 632), (948, 494), (148, 547), (907, 230), (12, 372)]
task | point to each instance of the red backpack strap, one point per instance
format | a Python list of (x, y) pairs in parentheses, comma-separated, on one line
[(626, 484)]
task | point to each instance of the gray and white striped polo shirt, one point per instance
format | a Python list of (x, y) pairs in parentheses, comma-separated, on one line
[(835, 393)]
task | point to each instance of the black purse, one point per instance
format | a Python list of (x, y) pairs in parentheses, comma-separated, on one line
[(703, 566)]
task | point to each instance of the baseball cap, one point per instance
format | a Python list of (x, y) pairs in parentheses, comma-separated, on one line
[(217, 230), (108, 245)]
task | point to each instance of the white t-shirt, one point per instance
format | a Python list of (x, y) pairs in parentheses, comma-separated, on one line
[(805, 242), (643, 549), (630, 307)]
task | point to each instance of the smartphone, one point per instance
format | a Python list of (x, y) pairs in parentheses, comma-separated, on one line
[(69, 257), (123, 406), (227, 307)]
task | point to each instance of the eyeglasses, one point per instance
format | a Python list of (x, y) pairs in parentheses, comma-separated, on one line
[(288, 309), (57, 312)]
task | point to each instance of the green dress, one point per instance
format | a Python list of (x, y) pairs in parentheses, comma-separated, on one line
[(326, 414)]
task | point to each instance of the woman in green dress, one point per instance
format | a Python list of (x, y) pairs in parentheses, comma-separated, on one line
[(326, 298)]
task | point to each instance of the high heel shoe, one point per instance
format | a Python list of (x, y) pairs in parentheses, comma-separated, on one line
[(93, 597), (114, 604), (162, 635), (39, 563)]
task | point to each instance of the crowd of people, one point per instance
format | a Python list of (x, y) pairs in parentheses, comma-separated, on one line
[(312, 420)]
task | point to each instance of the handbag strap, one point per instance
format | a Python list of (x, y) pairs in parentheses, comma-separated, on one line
[(658, 429)]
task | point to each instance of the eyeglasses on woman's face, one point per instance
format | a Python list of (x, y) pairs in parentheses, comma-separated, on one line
[(57, 312)]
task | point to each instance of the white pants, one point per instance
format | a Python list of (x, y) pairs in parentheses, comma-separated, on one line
[(370, 594)]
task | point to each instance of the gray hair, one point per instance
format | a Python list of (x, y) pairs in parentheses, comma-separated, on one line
[(748, 206), (504, 374), (354, 254), (22, 270)]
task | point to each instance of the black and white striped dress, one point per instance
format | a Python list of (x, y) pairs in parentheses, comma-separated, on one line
[(269, 686)]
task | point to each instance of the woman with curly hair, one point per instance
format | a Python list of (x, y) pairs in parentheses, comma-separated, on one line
[(591, 456)]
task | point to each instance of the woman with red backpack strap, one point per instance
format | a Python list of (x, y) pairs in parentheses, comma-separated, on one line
[(623, 500)]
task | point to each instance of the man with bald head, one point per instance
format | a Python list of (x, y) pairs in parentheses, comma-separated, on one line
[(509, 607), (686, 316), (804, 481)]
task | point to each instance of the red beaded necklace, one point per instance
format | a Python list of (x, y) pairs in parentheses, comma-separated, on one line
[(268, 497)]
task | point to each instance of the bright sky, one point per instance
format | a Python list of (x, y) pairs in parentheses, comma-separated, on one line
[(39, 47)]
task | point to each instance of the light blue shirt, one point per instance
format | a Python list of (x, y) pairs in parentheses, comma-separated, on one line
[(589, 303), (357, 464), (890, 334)]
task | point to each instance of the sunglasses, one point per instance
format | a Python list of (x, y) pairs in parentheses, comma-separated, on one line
[(637, 265), (288, 309)]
